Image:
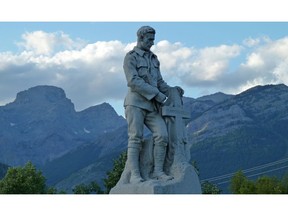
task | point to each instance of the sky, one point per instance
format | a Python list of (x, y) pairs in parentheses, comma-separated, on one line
[(81, 49), (86, 58)]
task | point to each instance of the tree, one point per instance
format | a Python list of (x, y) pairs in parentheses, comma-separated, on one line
[(263, 185), (209, 188), (93, 187), (115, 174), (81, 189), (241, 185), (23, 180), (237, 181), (110, 181), (268, 185), (284, 183), (51, 190), (247, 187)]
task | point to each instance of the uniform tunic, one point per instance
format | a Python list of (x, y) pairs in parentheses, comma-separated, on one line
[(144, 81)]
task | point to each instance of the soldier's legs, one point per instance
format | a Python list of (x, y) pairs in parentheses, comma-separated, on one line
[(156, 124), (135, 119)]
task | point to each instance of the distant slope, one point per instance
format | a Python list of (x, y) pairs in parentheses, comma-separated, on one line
[(247, 130), (227, 133), (96, 171), (42, 125), (3, 170), (106, 146)]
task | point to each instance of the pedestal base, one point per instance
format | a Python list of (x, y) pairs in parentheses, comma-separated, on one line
[(185, 181)]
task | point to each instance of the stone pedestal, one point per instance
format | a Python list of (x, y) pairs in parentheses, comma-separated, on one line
[(185, 181)]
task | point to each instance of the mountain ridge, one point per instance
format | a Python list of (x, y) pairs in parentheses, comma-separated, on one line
[(247, 130), (226, 133), (42, 124)]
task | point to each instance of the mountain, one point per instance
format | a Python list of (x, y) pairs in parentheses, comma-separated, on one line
[(106, 147), (3, 170), (226, 133), (247, 131), (241, 132), (198, 106), (42, 125)]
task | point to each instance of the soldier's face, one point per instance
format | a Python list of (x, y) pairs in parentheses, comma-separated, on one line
[(148, 41)]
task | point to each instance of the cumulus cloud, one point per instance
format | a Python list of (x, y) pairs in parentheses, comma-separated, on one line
[(251, 42), (171, 55), (91, 73), (40, 42), (267, 64), (258, 61), (195, 66)]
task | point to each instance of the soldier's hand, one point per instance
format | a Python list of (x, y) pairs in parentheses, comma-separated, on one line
[(164, 103), (160, 97)]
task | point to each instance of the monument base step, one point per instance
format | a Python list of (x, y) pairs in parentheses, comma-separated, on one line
[(186, 183)]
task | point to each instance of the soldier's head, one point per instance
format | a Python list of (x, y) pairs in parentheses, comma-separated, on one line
[(145, 37)]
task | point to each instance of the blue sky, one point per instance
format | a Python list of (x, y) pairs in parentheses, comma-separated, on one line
[(204, 47), (85, 58), (196, 34)]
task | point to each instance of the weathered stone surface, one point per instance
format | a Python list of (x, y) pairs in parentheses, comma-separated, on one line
[(186, 181), (161, 165)]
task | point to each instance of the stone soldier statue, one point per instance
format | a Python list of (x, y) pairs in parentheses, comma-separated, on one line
[(157, 165), (147, 91)]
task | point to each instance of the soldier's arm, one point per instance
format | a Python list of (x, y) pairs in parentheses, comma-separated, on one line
[(162, 85), (135, 82)]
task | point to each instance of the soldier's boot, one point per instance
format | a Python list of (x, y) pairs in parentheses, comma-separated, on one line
[(159, 157), (133, 162)]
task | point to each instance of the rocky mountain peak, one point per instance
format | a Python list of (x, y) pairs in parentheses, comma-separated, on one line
[(42, 124), (263, 90), (216, 98), (40, 94), (40, 101), (101, 111)]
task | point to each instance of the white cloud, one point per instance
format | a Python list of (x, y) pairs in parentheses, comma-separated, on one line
[(267, 64), (194, 66), (93, 73), (214, 61), (268, 57), (43, 43), (89, 75), (254, 60), (171, 55), (251, 42), (208, 69)]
